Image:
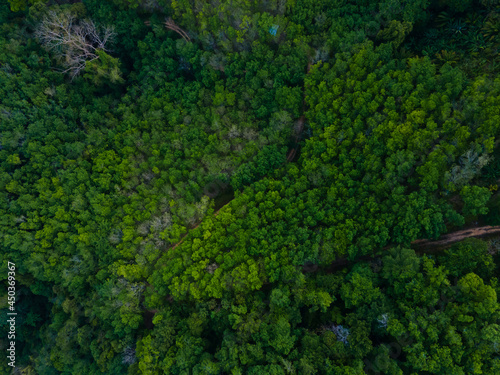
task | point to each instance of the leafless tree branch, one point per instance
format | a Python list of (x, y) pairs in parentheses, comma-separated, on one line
[(74, 42), (170, 24)]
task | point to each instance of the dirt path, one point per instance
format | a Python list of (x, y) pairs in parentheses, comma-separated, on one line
[(183, 237), (420, 246), (299, 127), (449, 239)]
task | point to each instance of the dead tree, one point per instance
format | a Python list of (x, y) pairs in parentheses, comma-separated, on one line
[(170, 24), (73, 42)]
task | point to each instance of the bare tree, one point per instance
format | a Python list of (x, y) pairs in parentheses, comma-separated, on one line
[(469, 166), (128, 355), (341, 333), (383, 321), (73, 41)]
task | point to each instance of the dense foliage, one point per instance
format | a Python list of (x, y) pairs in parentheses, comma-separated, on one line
[(233, 187)]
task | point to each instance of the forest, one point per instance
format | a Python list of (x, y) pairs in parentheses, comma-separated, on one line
[(275, 187)]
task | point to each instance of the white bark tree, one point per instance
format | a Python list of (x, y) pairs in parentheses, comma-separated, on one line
[(73, 41)]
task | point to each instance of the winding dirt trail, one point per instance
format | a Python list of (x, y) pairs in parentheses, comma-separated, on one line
[(427, 246), (422, 246)]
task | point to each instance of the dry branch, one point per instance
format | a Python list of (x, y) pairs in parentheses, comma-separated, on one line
[(170, 24), (72, 41)]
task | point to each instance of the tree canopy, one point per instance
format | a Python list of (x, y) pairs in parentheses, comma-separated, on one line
[(235, 187)]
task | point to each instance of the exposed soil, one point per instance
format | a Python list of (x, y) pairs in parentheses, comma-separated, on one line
[(449, 239)]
